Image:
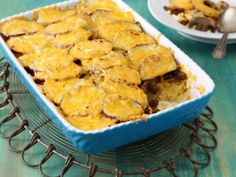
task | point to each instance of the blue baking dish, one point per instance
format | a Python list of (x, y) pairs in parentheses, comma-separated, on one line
[(108, 138)]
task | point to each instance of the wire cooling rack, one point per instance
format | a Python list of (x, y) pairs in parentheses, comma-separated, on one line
[(160, 152)]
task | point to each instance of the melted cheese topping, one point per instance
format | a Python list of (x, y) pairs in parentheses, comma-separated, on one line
[(69, 39), (106, 61), (51, 15), (121, 109), (84, 9), (109, 30), (138, 54), (90, 7), (125, 91), (51, 59), (19, 26), (91, 49), (70, 71), (152, 60), (128, 39), (83, 101), (55, 90), (28, 43), (71, 24), (102, 4), (27, 59), (154, 66), (100, 17), (123, 74), (91, 122)]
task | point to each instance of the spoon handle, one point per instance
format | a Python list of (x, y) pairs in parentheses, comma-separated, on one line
[(220, 49)]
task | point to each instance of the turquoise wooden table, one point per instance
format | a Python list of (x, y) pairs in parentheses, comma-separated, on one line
[(223, 101)]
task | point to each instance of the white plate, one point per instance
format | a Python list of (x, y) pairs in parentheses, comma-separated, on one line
[(156, 8)]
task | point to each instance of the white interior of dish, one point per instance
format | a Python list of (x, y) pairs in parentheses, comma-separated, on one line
[(202, 78), (157, 9)]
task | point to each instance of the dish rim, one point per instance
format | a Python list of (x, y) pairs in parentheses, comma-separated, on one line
[(52, 107)]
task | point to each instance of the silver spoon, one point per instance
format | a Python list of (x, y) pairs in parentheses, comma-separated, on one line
[(226, 24)]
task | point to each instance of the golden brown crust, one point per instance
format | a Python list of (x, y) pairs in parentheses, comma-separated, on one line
[(128, 39), (121, 109), (28, 43), (19, 26), (69, 39), (100, 17), (55, 90), (109, 30), (122, 74), (126, 91), (46, 16), (91, 49), (83, 101)]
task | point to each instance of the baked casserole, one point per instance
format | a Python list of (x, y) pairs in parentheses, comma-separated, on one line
[(97, 65)]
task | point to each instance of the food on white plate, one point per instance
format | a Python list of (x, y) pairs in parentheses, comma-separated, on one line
[(201, 15)]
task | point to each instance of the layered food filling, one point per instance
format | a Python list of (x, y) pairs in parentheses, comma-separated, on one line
[(95, 63), (197, 14)]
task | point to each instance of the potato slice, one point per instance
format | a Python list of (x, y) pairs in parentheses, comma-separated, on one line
[(138, 54), (125, 91), (59, 28), (90, 6), (69, 39), (51, 59), (55, 90), (121, 109), (145, 60), (102, 4), (51, 15), (109, 30), (181, 4), (206, 10), (28, 59), (100, 17), (28, 43), (157, 65), (81, 20), (71, 71), (84, 9), (99, 64), (83, 101), (128, 39), (19, 26), (70, 24), (91, 49), (48, 50), (123, 74), (91, 122)]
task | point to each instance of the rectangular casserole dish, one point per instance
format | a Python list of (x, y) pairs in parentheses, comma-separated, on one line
[(108, 138)]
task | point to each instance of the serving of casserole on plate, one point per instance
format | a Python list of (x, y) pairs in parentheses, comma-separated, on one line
[(103, 74), (195, 19), (201, 15)]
